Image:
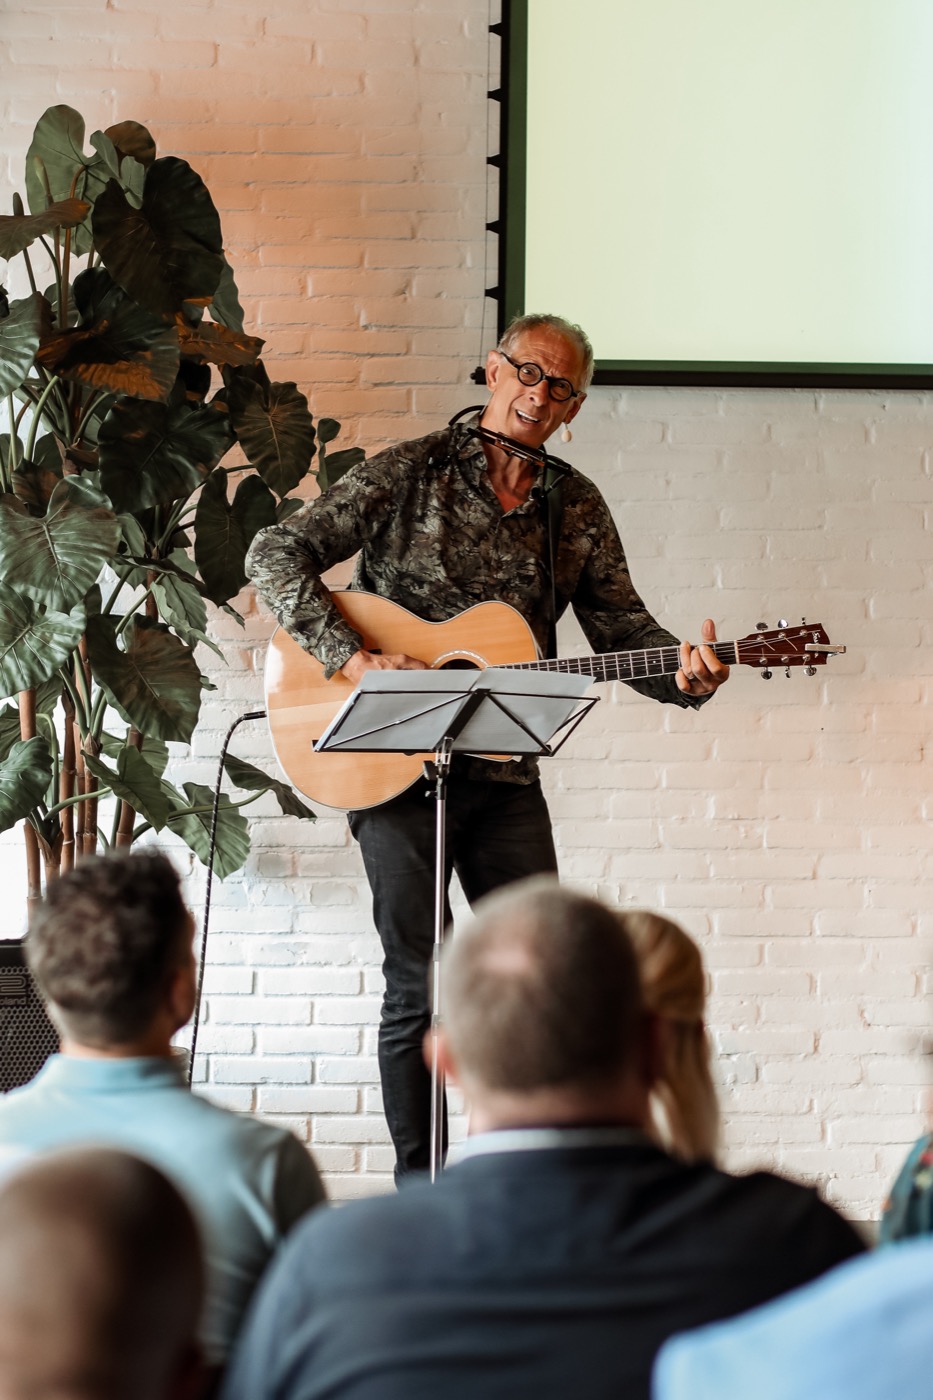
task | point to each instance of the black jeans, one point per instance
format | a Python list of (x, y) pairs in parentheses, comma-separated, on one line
[(496, 833)]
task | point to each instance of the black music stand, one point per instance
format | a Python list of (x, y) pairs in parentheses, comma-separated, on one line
[(496, 711)]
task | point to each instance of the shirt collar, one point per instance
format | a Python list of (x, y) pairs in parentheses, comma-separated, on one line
[(543, 1139), (144, 1072)]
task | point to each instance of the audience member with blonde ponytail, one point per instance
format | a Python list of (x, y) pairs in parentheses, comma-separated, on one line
[(684, 1107)]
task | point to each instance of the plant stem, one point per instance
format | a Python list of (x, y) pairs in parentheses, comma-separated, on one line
[(14, 444), (89, 408), (125, 814), (38, 410), (33, 871), (27, 730), (92, 793), (96, 722), (67, 782), (66, 269), (86, 832), (77, 707), (196, 812), (29, 272), (80, 693), (78, 797), (122, 576), (171, 527), (127, 617)]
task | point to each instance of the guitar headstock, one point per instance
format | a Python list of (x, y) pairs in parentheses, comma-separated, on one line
[(806, 645)]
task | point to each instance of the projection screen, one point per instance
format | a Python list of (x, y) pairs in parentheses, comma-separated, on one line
[(734, 191)]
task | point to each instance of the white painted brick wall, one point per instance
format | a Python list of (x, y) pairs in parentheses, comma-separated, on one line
[(787, 825)]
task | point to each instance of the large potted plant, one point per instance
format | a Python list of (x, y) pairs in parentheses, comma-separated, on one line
[(127, 379)]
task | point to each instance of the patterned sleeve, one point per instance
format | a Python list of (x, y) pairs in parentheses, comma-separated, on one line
[(285, 562), (610, 611)]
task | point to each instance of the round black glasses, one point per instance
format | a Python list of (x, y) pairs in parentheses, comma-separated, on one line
[(529, 373)]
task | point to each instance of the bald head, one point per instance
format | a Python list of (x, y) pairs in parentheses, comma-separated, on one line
[(541, 991), (101, 1282)]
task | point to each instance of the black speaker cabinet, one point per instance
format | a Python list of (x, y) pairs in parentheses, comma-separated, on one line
[(27, 1036)]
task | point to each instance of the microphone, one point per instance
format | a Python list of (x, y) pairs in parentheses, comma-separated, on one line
[(538, 455)]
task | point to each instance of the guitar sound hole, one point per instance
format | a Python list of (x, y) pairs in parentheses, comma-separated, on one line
[(458, 663)]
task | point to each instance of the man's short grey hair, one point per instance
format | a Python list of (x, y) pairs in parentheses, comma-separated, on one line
[(542, 990), (535, 321)]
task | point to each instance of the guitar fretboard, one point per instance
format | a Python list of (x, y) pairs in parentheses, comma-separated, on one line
[(625, 665)]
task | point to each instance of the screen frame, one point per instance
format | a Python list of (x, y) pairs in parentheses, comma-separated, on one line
[(513, 130)]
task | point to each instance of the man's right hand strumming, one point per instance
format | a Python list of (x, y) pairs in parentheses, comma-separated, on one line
[(362, 661)]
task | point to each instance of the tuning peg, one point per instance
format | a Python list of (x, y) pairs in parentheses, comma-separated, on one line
[(762, 626), (766, 674), (787, 673), (782, 622), (809, 670)]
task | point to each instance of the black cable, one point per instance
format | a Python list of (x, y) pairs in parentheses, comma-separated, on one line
[(253, 714)]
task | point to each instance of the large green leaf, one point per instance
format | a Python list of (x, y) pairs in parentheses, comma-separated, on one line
[(134, 782), (116, 346), (20, 231), (152, 454), (56, 557), (224, 532), (20, 333), (25, 775), (216, 344), (154, 751), (57, 167), (34, 481), (332, 465), (56, 161), (46, 698), (226, 308), (170, 250), (253, 779), (288, 507), (274, 428), (133, 549), (33, 642), (154, 683), (327, 430), (10, 732), (331, 468), (180, 602), (115, 165), (192, 822), (131, 139)]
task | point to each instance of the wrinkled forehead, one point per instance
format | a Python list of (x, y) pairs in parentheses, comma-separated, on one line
[(555, 354)]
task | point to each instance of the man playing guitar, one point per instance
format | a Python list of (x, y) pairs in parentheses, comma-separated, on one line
[(440, 524)]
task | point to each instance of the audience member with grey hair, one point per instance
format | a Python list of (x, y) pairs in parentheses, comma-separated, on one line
[(111, 950), (557, 1255), (101, 1282)]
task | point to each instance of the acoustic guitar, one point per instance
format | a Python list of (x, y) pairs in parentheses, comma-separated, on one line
[(300, 703)]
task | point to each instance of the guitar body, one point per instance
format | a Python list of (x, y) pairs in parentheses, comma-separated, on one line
[(301, 704)]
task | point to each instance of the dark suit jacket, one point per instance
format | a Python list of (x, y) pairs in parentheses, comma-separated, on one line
[(555, 1272)]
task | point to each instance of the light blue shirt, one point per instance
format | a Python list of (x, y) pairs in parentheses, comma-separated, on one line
[(247, 1182), (862, 1332)]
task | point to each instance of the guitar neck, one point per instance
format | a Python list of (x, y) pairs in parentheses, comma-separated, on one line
[(625, 665)]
